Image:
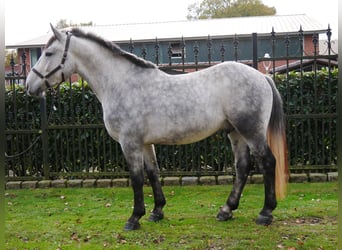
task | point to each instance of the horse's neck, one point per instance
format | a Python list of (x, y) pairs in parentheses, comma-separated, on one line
[(99, 67)]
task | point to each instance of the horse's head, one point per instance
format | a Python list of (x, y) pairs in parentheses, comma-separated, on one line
[(53, 67)]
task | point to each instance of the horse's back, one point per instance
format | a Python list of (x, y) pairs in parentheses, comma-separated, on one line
[(238, 87)]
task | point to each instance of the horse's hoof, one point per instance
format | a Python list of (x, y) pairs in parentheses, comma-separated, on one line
[(131, 226), (154, 217), (224, 216), (264, 220)]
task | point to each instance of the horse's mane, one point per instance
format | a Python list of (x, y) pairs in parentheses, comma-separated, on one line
[(114, 48)]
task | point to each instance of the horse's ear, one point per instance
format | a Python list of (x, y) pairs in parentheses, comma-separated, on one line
[(57, 33)]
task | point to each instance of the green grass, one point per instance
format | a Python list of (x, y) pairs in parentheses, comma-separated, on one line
[(94, 219)]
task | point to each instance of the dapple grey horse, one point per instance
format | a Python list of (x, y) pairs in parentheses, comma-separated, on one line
[(143, 106)]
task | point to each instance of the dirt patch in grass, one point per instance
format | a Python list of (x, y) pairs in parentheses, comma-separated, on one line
[(311, 221)]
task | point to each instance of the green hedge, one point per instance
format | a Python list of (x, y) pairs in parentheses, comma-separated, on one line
[(309, 102)]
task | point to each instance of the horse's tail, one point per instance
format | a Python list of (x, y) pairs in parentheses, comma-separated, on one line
[(276, 137)]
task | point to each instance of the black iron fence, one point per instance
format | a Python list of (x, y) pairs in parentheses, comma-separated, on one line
[(64, 136)]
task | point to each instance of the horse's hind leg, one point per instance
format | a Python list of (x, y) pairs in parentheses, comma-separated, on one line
[(266, 162), (152, 170), (243, 166)]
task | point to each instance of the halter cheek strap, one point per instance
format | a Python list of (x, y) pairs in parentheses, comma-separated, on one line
[(59, 67)]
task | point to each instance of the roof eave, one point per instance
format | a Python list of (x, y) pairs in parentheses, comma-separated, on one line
[(31, 46)]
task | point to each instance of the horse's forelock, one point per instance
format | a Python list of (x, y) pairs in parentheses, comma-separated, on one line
[(51, 40), (75, 31)]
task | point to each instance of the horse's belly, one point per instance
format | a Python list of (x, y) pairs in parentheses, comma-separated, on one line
[(177, 135), (189, 138)]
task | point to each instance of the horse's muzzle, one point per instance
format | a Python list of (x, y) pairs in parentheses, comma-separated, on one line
[(39, 92)]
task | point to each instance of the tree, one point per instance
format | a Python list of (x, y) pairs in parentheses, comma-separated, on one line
[(228, 8), (9, 55), (63, 23)]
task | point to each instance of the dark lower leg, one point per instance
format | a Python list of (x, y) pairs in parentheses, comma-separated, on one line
[(242, 165), (234, 197), (159, 199), (139, 205), (268, 165), (152, 171)]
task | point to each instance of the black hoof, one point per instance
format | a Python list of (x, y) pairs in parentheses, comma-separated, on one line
[(154, 217), (224, 216), (131, 226), (264, 220)]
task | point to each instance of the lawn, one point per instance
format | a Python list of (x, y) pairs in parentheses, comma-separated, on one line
[(93, 218)]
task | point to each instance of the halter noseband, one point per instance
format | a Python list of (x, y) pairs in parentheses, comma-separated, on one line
[(60, 66)]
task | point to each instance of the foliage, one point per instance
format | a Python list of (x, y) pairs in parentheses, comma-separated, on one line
[(94, 219), (228, 8), (63, 23), (79, 144), (310, 105), (9, 55)]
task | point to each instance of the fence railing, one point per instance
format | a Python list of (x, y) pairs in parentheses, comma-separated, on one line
[(64, 136)]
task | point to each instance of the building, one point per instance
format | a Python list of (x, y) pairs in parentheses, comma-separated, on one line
[(204, 42)]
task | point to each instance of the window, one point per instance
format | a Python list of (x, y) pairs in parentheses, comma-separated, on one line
[(34, 55), (177, 50)]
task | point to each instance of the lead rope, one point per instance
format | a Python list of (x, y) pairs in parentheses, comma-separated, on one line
[(52, 107)]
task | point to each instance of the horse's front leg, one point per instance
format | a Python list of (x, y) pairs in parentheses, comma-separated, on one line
[(134, 157), (152, 171)]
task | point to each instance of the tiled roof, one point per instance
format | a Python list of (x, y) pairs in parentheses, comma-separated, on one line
[(196, 28)]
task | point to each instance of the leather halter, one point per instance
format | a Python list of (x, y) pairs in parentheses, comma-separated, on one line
[(59, 67)]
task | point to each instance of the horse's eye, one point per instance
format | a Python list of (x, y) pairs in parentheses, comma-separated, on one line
[(48, 54)]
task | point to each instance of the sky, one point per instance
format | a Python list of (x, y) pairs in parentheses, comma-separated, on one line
[(27, 19)]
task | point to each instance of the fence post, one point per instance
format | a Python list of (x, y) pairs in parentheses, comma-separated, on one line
[(44, 135), (236, 46), (156, 47), (209, 45), (255, 50), (183, 53)]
